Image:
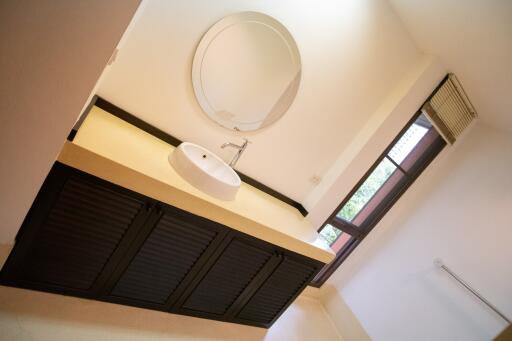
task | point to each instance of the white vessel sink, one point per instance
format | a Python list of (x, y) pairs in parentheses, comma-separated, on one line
[(205, 171)]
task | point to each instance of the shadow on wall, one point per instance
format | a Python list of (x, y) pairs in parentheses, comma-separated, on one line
[(342, 316)]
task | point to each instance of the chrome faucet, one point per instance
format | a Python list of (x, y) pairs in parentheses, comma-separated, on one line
[(239, 152)]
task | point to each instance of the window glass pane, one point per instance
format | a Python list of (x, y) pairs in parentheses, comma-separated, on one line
[(335, 237), (409, 139), (371, 185), (394, 183), (412, 152), (330, 233)]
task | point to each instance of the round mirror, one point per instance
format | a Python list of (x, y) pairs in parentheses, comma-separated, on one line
[(246, 71)]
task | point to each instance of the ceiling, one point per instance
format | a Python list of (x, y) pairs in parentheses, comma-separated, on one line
[(353, 52), (473, 39)]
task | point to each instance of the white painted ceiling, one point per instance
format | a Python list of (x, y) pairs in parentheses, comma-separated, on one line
[(353, 53), (473, 39)]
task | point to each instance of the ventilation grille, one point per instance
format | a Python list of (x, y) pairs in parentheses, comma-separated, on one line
[(164, 260), (79, 235), (449, 109), (230, 275), (277, 292)]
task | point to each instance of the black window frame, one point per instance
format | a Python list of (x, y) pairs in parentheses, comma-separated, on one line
[(358, 233)]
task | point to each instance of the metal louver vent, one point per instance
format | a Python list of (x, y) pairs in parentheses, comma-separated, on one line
[(449, 109)]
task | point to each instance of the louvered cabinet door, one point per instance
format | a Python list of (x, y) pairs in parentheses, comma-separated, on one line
[(72, 232), (216, 293), (165, 258), (278, 291)]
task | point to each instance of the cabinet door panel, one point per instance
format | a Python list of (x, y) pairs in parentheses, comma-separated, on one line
[(277, 292), (68, 244), (178, 243), (233, 271)]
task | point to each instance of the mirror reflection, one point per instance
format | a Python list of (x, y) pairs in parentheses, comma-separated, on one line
[(246, 71)]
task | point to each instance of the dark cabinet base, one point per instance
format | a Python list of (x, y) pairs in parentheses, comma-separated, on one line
[(86, 237)]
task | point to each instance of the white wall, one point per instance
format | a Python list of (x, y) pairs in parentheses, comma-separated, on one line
[(458, 210), (389, 118), (473, 40), (353, 53), (31, 315), (53, 52)]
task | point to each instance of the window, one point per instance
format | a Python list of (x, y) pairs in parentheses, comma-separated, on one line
[(394, 171)]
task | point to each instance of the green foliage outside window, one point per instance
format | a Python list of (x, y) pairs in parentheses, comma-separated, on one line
[(330, 233), (367, 190)]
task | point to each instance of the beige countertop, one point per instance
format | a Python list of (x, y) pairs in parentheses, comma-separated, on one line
[(116, 151)]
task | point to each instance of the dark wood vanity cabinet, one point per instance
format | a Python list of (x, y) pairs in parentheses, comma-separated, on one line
[(162, 260), (86, 237), (74, 234), (289, 277)]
